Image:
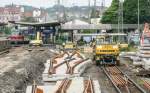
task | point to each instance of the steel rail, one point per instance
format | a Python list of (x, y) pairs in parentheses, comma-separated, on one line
[(146, 84), (107, 74), (52, 69), (89, 88), (134, 83), (76, 52), (66, 86), (77, 63), (35, 89), (63, 86), (60, 86)]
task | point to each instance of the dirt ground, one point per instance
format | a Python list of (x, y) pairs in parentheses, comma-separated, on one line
[(130, 70), (20, 67), (96, 73)]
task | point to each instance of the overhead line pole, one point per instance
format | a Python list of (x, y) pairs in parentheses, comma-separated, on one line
[(120, 18), (95, 8), (138, 15), (89, 5), (58, 10)]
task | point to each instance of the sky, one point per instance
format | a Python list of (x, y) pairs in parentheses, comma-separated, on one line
[(49, 3)]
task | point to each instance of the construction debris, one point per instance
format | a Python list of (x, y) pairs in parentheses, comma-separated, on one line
[(19, 68)]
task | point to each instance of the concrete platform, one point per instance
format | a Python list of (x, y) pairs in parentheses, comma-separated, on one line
[(60, 72), (76, 86), (127, 54)]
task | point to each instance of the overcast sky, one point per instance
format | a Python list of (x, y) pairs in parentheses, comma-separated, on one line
[(49, 3)]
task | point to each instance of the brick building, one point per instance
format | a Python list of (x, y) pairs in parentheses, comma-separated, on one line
[(10, 13), (17, 13)]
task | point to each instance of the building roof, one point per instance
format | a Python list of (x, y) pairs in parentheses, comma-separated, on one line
[(28, 14), (2, 10), (76, 22), (13, 9), (45, 24), (99, 26), (3, 24)]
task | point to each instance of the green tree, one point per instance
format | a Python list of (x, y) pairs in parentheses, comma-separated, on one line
[(131, 11), (111, 14), (7, 30)]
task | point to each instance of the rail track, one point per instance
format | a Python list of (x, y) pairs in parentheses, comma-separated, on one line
[(121, 81), (88, 86), (68, 59), (65, 84)]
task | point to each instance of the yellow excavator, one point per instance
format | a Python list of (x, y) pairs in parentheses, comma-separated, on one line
[(38, 27), (37, 41)]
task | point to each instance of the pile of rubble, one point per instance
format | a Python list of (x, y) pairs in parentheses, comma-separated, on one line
[(22, 68)]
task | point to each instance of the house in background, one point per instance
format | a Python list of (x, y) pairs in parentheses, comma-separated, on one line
[(10, 13), (18, 13)]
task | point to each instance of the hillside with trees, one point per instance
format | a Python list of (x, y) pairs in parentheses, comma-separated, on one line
[(130, 12)]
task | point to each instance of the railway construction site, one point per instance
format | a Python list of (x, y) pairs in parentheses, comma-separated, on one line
[(65, 46), (97, 67), (55, 71)]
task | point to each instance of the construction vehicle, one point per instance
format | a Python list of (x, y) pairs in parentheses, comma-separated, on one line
[(123, 45), (38, 41), (39, 27), (69, 45), (106, 51)]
